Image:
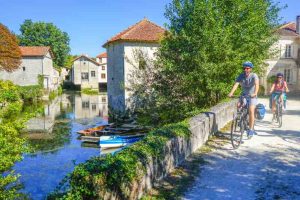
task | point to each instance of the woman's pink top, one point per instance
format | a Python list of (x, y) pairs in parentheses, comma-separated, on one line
[(279, 86)]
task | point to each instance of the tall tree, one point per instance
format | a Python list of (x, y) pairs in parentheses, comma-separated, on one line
[(46, 34), (207, 42), (10, 54)]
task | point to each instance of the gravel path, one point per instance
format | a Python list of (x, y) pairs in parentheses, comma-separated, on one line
[(265, 167)]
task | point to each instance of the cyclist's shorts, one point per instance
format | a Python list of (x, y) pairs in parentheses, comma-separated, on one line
[(252, 101), (276, 95)]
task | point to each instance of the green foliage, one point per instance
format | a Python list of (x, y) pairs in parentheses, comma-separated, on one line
[(8, 92), (208, 42), (52, 95), (59, 90), (46, 34), (12, 145), (69, 61), (41, 80), (113, 172), (271, 79), (90, 91), (31, 93)]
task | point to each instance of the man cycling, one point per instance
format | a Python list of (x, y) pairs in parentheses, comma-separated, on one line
[(250, 86), (278, 90)]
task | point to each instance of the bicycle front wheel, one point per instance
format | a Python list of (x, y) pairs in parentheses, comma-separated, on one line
[(237, 130), (279, 116)]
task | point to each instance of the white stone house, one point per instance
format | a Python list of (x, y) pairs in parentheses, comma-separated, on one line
[(287, 58), (102, 60), (85, 72), (144, 36), (36, 60)]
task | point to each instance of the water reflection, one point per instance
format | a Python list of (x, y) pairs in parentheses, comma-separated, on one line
[(55, 147)]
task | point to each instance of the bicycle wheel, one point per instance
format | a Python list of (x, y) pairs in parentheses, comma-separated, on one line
[(279, 116), (237, 130)]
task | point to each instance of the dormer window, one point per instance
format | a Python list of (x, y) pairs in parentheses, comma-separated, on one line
[(23, 69)]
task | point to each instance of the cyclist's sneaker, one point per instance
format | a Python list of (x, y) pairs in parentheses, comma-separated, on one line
[(250, 133)]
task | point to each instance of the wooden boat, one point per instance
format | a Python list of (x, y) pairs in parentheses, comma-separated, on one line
[(114, 141), (90, 131)]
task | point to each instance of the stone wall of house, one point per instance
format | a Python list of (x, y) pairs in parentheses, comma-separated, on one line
[(130, 50), (115, 76), (102, 71), (27, 73), (83, 65), (119, 67), (178, 149)]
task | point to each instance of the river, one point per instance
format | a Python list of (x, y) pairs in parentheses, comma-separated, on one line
[(56, 149)]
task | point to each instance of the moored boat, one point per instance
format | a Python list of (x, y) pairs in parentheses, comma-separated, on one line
[(90, 131), (118, 141)]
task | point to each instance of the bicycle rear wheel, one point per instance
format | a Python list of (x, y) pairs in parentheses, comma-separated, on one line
[(237, 130)]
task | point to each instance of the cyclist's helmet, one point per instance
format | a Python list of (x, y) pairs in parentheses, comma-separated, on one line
[(248, 64), (279, 74)]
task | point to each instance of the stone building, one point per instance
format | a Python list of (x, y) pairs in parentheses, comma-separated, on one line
[(85, 72), (287, 57), (144, 36), (102, 60), (36, 60)]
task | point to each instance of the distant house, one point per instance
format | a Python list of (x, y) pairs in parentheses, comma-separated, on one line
[(36, 60), (120, 49), (85, 72), (102, 60), (287, 59)]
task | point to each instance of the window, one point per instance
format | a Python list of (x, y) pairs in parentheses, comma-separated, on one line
[(84, 76), (24, 69), (103, 99), (93, 73), (103, 75), (288, 51), (287, 75), (103, 67), (85, 104), (94, 107)]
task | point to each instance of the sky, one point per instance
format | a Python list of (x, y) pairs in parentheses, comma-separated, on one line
[(91, 23)]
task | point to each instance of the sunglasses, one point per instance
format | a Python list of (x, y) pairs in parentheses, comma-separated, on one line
[(279, 77)]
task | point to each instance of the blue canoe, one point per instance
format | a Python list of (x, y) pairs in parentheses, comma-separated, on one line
[(115, 141)]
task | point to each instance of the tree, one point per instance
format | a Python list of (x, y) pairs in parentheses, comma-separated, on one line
[(10, 53), (46, 34), (202, 54)]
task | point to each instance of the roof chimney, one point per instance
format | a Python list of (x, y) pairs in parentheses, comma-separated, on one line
[(298, 24)]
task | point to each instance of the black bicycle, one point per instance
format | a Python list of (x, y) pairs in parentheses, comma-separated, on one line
[(240, 122), (277, 116)]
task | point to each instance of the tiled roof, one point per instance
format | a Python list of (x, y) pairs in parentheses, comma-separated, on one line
[(102, 55), (288, 29), (35, 50), (89, 59), (143, 31)]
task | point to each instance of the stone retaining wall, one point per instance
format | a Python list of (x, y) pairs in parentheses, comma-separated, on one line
[(177, 149)]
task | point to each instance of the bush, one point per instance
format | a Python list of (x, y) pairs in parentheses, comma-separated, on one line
[(31, 93), (90, 91)]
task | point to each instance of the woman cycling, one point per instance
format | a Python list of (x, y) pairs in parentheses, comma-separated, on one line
[(278, 90)]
